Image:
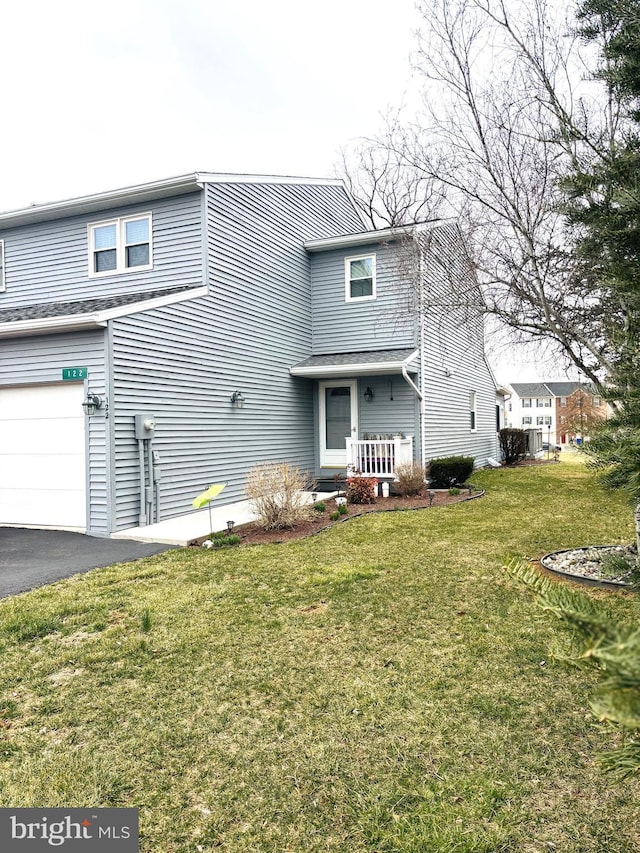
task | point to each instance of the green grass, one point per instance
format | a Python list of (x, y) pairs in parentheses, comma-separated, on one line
[(383, 686)]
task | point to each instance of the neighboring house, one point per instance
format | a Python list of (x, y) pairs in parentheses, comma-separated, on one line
[(577, 409), (562, 411), (162, 337)]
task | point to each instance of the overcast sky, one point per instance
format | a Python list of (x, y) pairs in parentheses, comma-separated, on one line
[(99, 96)]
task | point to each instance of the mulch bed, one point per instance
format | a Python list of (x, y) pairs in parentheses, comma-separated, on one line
[(253, 534)]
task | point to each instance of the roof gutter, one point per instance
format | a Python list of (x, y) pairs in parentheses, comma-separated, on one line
[(379, 368)]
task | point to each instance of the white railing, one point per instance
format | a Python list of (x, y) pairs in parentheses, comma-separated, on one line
[(378, 458)]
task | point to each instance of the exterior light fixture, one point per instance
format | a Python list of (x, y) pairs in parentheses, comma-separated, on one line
[(230, 525), (237, 399), (314, 496), (368, 394), (91, 403), (432, 495)]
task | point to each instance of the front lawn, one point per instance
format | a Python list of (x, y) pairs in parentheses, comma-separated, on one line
[(382, 686)]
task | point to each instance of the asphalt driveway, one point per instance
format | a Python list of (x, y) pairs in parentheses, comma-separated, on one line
[(31, 558)]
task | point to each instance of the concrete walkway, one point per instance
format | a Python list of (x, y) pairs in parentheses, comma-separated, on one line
[(184, 529)]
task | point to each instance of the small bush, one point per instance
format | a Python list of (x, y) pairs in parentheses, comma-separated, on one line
[(454, 490), (342, 509), (220, 540), (513, 444), (410, 478), (450, 470), (276, 494), (361, 490), (335, 515), (319, 507)]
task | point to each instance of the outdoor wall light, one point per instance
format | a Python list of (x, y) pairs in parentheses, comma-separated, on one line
[(237, 399), (91, 403), (369, 395)]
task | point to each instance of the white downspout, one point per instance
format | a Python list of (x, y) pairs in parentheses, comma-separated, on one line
[(423, 436)]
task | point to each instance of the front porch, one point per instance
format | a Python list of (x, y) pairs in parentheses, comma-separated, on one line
[(378, 455)]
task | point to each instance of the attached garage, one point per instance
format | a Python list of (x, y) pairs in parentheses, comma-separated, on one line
[(43, 474)]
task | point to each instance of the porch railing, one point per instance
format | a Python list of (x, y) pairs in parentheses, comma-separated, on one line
[(378, 458)]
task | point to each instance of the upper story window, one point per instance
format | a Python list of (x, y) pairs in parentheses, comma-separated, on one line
[(360, 278), (120, 245), (563, 401), (544, 402), (526, 402), (2, 282), (597, 401)]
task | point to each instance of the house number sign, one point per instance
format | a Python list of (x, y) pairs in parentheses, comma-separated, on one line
[(72, 373)]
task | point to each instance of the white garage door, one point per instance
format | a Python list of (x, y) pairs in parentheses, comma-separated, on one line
[(42, 456)]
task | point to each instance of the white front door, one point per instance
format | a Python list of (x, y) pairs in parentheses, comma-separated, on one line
[(338, 413)]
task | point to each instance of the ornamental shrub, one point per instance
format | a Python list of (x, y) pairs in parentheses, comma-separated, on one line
[(450, 471), (361, 490), (513, 444), (276, 492), (410, 478)]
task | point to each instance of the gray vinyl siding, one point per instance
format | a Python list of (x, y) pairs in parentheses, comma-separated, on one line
[(39, 360), (392, 410), (48, 262), (386, 322), (454, 360), (182, 363)]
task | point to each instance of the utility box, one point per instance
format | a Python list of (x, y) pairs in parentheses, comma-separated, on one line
[(145, 426)]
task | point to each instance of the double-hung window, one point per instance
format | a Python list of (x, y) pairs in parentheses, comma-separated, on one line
[(526, 421), (2, 281), (360, 278), (526, 402), (120, 245)]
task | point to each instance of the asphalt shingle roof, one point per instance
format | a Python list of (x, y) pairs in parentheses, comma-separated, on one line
[(44, 310), (372, 357), (548, 389)]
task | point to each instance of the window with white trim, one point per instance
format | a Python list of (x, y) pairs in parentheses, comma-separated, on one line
[(539, 420), (2, 282), (543, 402), (120, 245), (526, 421), (360, 278), (526, 402), (597, 401), (473, 400), (547, 420), (563, 402)]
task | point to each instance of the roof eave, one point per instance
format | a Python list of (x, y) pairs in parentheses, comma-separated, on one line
[(93, 320), (362, 238), (141, 193), (50, 326), (341, 371)]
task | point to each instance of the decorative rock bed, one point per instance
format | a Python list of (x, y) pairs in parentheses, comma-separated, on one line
[(584, 565)]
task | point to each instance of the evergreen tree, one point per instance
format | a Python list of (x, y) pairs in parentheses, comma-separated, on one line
[(597, 640), (603, 205)]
